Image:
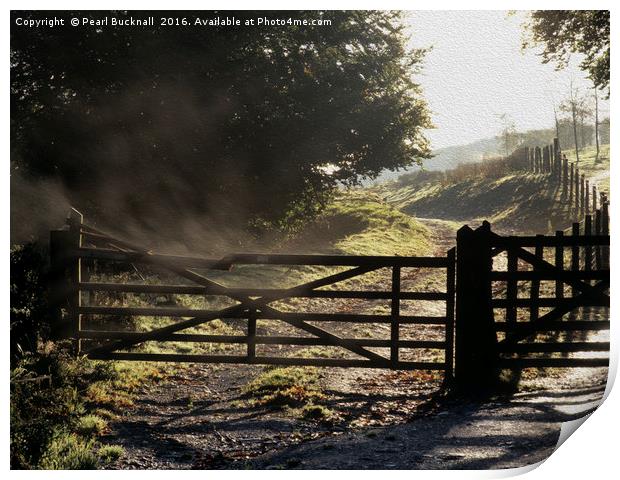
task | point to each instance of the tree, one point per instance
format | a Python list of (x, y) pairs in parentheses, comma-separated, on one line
[(247, 125), (596, 135), (573, 105), (509, 135), (564, 32)]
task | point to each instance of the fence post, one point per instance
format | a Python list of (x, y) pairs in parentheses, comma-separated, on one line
[(594, 204), (577, 195), (605, 230), (582, 183), (395, 325), (59, 286), (535, 286), (476, 356), (597, 232), (75, 221), (574, 263), (564, 175), (559, 263), (572, 186), (251, 334), (450, 292), (587, 231)]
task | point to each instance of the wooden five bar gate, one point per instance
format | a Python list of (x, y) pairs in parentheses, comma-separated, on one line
[(508, 302), (71, 255)]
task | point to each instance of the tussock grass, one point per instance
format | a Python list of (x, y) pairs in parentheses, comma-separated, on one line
[(289, 386), (91, 425)]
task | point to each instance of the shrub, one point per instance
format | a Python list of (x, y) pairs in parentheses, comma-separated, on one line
[(29, 308)]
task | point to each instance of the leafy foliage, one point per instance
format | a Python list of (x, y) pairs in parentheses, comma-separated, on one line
[(237, 125), (29, 309), (564, 32)]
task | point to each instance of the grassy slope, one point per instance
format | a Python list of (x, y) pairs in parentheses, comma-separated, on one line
[(361, 223), (599, 172), (518, 202)]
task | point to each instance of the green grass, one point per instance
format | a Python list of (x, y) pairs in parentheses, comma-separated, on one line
[(288, 386), (91, 425), (109, 454), (375, 227)]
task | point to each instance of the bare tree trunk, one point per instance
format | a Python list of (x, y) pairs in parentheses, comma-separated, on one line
[(598, 148), (573, 105), (557, 124)]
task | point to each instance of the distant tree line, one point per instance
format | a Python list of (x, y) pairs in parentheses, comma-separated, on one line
[(564, 132), (243, 126)]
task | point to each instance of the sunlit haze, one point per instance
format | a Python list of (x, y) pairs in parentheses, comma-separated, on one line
[(477, 71)]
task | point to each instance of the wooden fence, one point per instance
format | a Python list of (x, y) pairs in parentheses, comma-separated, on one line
[(77, 245), (577, 191), (496, 327)]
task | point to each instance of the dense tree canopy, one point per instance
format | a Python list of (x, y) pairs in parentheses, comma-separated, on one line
[(563, 32), (243, 124)]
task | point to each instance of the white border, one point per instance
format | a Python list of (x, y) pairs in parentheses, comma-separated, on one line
[(591, 453)]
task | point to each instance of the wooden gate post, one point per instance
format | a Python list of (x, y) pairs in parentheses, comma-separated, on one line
[(65, 274), (75, 221), (476, 355), (59, 286)]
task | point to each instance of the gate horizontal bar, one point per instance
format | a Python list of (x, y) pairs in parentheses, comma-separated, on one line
[(318, 362), (555, 347), (553, 362), (550, 302), (262, 259), (354, 318), (263, 340), (546, 275), (316, 317), (571, 325), (256, 292), (550, 241)]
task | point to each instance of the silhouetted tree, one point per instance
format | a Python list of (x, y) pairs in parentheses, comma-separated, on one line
[(563, 32), (247, 125)]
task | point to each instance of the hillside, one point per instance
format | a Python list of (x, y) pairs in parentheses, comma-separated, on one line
[(515, 202), (449, 157)]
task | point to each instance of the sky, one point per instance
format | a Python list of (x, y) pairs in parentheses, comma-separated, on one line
[(477, 71)]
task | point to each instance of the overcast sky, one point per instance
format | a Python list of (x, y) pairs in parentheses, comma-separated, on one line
[(477, 71)]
